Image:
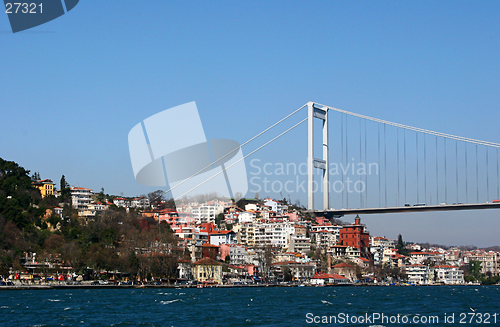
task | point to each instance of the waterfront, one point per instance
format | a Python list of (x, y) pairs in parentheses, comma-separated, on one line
[(260, 306)]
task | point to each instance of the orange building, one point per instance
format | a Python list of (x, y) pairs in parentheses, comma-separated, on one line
[(356, 236), (46, 187)]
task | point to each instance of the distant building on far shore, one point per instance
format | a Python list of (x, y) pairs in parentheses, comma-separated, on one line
[(356, 236), (46, 187)]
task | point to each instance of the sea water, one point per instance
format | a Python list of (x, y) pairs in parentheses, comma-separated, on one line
[(253, 306)]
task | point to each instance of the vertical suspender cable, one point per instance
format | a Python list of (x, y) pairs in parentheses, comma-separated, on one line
[(404, 158), (347, 159), (498, 179), (466, 176), (477, 178), (359, 175), (379, 179), (487, 177), (456, 165), (366, 174), (445, 175), (342, 154), (385, 165), (416, 147), (397, 137), (425, 171), (437, 173)]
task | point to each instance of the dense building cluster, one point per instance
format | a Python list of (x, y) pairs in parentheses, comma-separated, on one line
[(223, 242)]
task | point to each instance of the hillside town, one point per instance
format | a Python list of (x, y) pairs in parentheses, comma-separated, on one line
[(250, 242)]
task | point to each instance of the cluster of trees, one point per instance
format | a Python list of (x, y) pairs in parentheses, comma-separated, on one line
[(473, 274), (115, 241)]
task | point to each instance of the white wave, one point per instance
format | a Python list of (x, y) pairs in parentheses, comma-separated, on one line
[(326, 302), (168, 302), (68, 308), (53, 300)]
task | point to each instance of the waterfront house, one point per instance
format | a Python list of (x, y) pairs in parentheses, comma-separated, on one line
[(449, 275), (323, 279), (207, 270), (346, 270)]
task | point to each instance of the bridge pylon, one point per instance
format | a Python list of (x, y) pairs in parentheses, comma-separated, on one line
[(320, 112)]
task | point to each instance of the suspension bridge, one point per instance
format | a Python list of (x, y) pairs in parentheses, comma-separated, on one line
[(425, 162), (384, 167)]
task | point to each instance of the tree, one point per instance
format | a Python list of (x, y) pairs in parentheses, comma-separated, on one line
[(101, 197), (16, 194), (475, 269), (65, 190), (219, 219), (237, 196), (287, 274), (53, 243), (4, 266), (35, 177), (156, 196), (109, 236), (401, 246), (133, 263), (63, 183)]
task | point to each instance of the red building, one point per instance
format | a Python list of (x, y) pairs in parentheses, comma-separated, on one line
[(210, 251), (356, 236)]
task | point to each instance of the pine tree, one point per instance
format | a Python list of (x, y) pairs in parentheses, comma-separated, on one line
[(401, 246), (65, 190)]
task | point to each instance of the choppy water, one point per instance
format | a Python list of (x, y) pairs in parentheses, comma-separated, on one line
[(272, 306)]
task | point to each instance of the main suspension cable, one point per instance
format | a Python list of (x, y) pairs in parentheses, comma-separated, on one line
[(227, 154), (223, 170)]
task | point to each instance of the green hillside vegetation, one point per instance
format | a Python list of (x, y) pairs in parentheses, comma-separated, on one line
[(114, 241)]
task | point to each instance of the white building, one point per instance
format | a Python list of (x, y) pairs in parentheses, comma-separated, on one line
[(299, 243), (141, 202), (324, 238), (207, 212), (450, 275), (378, 245), (247, 217), (121, 202), (237, 255), (420, 257), (222, 237), (81, 197), (490, 262), (419, 274), (274, 205), (382, 242), (252, 206), (274, 234)]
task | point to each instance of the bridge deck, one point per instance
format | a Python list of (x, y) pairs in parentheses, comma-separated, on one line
[(442, 207)]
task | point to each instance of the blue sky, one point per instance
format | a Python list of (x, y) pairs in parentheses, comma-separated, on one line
[(74, 87)]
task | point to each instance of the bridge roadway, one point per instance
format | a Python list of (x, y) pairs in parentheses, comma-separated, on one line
[(336, 213)]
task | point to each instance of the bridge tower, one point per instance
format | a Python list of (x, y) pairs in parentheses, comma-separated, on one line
[(320, 112)]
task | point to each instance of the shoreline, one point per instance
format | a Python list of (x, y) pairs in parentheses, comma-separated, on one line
[(66, 287)]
